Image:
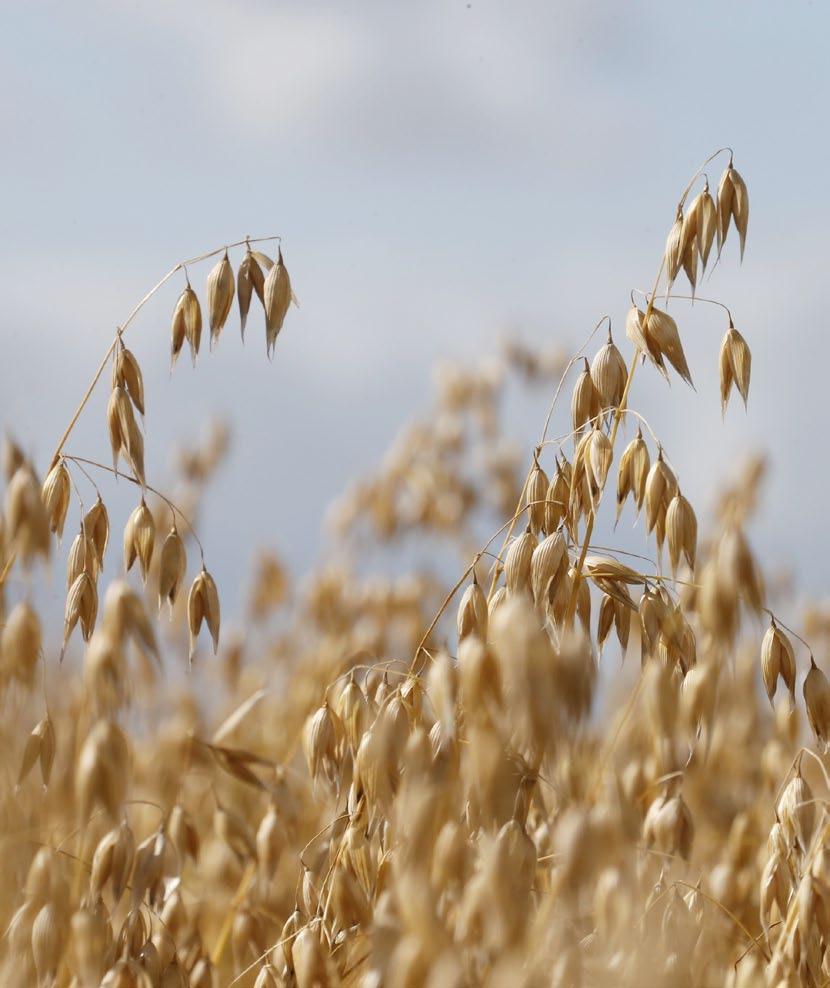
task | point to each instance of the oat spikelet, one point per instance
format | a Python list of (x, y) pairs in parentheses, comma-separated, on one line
[(733, 205), (735, 366), (472, 612), (40, 746), (681, 531), (598, 456), (81, 605), (220, 292), (125, 437), (557, 497), (546, 564), (609, 374), (635, 464), (586, 402), (661, 487), (817, 702), (172, 567), (662, 331), (705, 223), (673, 255), (140, 539), (27, 523), (96, 525), (187, 324), (278, 297), (203, 605), (537, 489), (639, 332), (56, 492), (249, 279), (126, 373), (517, 562), (796, 811), (83, 558), (21, 639), (777, 660)]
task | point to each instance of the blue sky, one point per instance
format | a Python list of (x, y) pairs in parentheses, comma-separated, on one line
[(439, 171)]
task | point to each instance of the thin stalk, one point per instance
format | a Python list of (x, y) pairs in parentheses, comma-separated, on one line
[(175, 509), (135, 311)]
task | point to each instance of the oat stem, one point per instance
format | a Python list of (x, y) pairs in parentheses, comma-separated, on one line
[(122, 328), (170, 504)]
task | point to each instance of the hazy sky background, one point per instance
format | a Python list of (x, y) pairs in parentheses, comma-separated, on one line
[(439, 171)]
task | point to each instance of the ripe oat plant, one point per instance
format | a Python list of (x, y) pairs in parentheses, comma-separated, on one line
[(358, 790)]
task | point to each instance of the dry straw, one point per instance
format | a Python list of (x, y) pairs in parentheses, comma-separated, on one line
[(359, 791)]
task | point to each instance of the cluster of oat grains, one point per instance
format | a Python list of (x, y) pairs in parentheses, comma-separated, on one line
[(357, 791)]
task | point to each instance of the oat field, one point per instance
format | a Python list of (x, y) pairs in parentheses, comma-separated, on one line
[(560, 765)]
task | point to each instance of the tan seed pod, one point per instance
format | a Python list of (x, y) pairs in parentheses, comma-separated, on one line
[(183, 834), (81, 605), (557, 498), (126, 373), (322, 738), (203, 605), (472, 612), (663, 333), (56, 492), (705, 223), (583, 489), (796, 812), (609, 374), (668, 826), (270, 841), (125, 617), (598, 457), (187, 324), (96, 525), (639, 332), (517, 562), (661, 487), (817, 703), (735, 366), (83, 558), (606, 620), (535, 494), (125, 437), (40, 746), (20, 642), (220, 292), (681, 531), (545, 565), (733, 204), (737, 568), (689, 260), (102, 771), (140, 539), (353, 709), (112, 862), (27, 523), (278, 297), (586, 402), (172, 567), (673, 254), (777, 659), (249, 279), (635, 464), (49, 935), (495, 602)]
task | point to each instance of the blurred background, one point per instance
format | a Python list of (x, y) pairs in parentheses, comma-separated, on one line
[(442, 174)]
